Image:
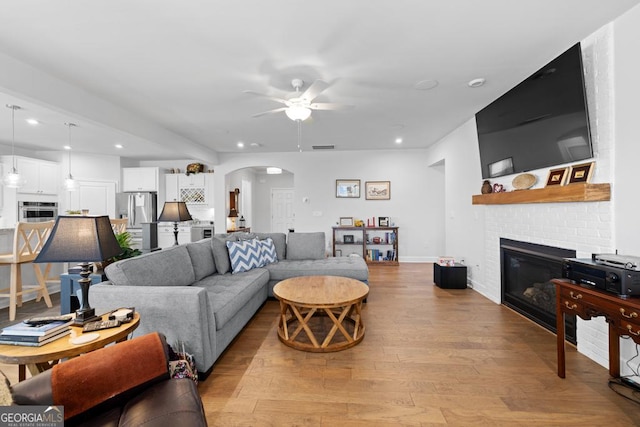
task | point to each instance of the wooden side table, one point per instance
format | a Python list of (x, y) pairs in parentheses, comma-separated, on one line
[(39, 359)]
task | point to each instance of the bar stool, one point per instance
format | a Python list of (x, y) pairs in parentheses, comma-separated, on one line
[(28, 240), (119, 225)]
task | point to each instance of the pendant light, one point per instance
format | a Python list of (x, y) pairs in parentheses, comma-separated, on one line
[(13, 179), (70, 184)]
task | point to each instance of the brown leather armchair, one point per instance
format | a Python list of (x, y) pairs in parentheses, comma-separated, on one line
[(124, 384)]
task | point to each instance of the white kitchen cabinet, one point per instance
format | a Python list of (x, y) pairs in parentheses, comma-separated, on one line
[(194, 189), (41, 176), (190, 181), (171, 193), (140, 179), (166, 238)]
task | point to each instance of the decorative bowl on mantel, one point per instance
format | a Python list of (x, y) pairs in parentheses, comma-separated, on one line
[(524, 181)]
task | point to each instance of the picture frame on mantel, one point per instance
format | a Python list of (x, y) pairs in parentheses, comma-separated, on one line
[(581, 173), (348, 188), (557, 177), (377, 190)]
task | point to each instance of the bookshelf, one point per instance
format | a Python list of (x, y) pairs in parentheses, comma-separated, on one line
[(377, 245)]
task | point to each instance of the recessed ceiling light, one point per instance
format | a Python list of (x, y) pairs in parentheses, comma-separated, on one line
[(67, 147), (119, 146), (255, 144), (33, 122), (240, 144), (476, 82), (398, 140), (273, 170), (426, 84)]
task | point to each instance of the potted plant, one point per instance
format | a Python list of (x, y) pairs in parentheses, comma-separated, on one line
[(124, 240)]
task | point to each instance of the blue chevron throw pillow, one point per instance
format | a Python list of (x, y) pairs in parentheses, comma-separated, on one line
[(268, 251), (244, 255)]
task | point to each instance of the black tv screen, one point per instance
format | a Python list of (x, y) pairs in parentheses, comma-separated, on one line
[(541, 122)]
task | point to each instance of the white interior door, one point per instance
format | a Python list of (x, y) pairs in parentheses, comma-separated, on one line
[(282, 217), (97, 196)]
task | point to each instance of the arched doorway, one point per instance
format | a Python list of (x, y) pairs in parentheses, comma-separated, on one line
[(255, 202)]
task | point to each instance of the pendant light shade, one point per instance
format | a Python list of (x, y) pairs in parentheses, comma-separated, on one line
[(70, 184), (13, 179)]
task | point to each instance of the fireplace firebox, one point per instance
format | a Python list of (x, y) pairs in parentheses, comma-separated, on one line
[(527, 270)]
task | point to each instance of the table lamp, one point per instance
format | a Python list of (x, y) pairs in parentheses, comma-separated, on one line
[(82, 239), (175, 212)]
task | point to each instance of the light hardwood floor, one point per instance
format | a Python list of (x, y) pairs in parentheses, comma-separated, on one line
[(429, 357)]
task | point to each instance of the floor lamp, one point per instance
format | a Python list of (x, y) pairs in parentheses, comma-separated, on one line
[(175, 212)]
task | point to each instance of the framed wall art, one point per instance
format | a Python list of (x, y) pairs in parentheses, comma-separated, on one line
[(383, 221), (581, 173), (346, 221), (348, 188), (557, 176), (377, 190)]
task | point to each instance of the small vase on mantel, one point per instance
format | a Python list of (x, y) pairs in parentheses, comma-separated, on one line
[(486, 187)]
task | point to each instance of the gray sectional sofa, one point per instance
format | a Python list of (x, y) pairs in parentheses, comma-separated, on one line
[(189, 293)]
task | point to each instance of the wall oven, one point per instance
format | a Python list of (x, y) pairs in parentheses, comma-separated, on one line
[(37, 211)]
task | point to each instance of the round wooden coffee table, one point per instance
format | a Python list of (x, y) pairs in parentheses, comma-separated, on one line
[(39, 359), (321, 306)]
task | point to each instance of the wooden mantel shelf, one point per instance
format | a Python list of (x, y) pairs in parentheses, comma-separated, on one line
[(554, 194)]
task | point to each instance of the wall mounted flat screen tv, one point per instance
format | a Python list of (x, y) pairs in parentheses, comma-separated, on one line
[(541, 122)]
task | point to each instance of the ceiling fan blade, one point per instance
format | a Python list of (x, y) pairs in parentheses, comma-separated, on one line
[(277, 110), (273, 98), (330, 106), (314, 90)]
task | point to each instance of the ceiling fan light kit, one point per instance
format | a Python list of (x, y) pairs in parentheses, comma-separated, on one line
[(298, 112)]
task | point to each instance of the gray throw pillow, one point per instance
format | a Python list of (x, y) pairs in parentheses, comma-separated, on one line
[(305, 246), (221, 253)]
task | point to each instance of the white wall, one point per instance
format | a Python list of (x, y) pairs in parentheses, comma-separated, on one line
[(627, 144), (414, 198), (611, 64)]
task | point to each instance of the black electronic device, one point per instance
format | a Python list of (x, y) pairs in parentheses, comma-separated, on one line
[(541, 122), (595, 274), (47, 319)]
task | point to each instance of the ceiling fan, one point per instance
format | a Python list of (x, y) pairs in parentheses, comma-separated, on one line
[(299, 107)]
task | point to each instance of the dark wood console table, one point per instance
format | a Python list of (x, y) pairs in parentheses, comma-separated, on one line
[(622, 315)]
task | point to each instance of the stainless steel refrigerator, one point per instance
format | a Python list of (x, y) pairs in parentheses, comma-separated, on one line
[(140, 208)]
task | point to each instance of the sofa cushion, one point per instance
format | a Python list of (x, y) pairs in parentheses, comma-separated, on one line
[(202, 258), (244, 255), (352, 267), (279, 241), (221, 253), (168, 267), (305, 246), (268, 253), (228, 293)]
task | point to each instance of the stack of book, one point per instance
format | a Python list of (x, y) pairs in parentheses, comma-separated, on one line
[(34, 336)]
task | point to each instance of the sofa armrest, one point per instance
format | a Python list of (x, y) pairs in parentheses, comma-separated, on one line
[(181, 313)]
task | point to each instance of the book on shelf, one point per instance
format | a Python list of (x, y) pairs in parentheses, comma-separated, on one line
[(25, 340), (42, 330)]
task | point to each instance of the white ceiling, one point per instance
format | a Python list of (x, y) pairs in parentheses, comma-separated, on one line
[(166, 78)]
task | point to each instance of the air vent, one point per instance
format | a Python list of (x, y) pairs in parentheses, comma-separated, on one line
[(323, 147)]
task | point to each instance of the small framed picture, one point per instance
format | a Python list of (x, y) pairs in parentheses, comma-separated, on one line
[(348, 188), (557, 176), (383, 221), (377, 190), (346, 221), (348, 238), (581, 173)]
